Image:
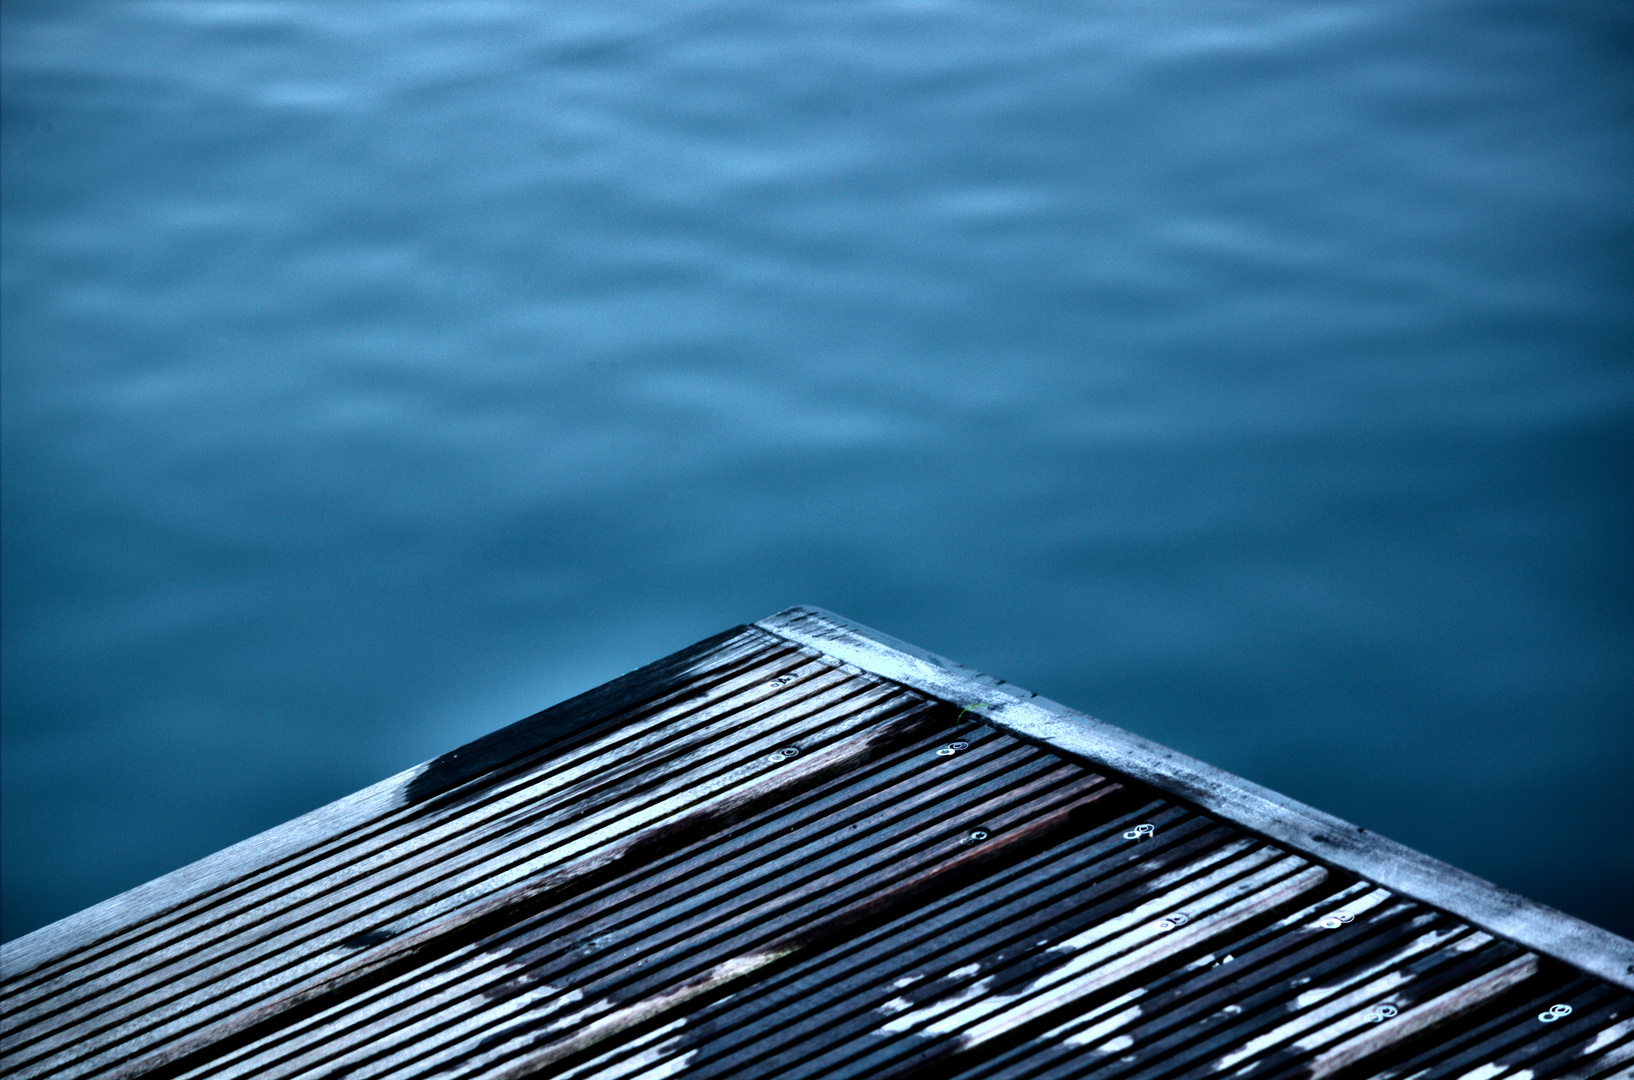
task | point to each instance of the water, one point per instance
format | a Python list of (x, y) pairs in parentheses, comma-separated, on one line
[(1254, 376)]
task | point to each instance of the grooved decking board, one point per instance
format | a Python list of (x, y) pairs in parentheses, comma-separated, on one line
[(801, 849)]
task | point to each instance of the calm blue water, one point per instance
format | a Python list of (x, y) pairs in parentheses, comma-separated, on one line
[(1256, 376)]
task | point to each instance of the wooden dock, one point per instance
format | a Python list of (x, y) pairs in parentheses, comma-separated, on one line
[(802, 849)]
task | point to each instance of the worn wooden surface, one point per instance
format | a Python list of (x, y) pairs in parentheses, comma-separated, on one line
[(1266, 812), (795, 849)]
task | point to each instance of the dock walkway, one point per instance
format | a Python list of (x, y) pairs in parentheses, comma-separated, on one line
[(802, 849)]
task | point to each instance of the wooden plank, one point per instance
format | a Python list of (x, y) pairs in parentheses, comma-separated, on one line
[(274, 957), (145, 902), (842, 1008), (1493, 1047), (271, 972), (757, 860), (747, 860), (765, 856), (1399, 868), (1409, 1019), (402, 836), (843, 998), (851, 870)]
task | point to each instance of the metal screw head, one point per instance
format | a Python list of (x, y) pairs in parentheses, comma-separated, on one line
[(979, 834), (1381, 1013), (784, 754), (1139, 832), (958, 745), (1556, 1012), (946, 751), (1336, 920), (1179, 918)]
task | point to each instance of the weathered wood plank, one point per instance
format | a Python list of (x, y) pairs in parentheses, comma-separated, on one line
[(1541, 928), (801, 850), (754, 858), (132, 908), (283, 883), (1372, 1036), (277, 958), (791, 890)]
